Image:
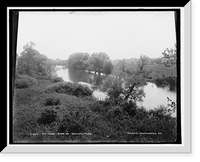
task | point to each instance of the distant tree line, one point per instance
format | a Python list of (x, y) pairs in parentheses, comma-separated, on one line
[(97, 62), (61, 62)]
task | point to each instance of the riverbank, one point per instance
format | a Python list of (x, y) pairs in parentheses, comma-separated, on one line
[(41, 117), (151, 90)]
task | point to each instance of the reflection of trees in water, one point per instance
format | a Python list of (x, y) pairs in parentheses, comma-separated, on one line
[(82, 76), (166, 81), (172, 86), (98, 79)]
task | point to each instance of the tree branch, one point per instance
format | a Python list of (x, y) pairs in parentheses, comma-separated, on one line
[(130, 91), (125, 71)]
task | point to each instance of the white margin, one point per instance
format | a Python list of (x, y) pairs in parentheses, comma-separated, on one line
[(106, 148), (182, 75), (8, 79)]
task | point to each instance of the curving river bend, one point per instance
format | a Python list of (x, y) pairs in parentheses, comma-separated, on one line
[(154, 95)]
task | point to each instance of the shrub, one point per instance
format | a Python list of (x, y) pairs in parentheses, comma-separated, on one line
[(160, 112), (48, 116), (52, 102), (156, 121), (129, 107), (24, 81), (57, 79), (19, 83), (72, 123), (99, 107), (141, 113), (115, 112), (69, 88)]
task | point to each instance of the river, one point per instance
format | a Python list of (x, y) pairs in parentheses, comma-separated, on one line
[(154, 96)]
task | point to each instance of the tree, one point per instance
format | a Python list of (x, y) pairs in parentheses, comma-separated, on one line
[(31, 62), (113, 86), (100, 62), (61, 62), (40, 63), (132, 79), (26, 61), (107, 68), (78, 61), (170, 57), (142, 62), (50, 67)]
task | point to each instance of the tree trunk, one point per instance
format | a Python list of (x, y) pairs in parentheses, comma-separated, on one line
[(99, 71), (130, 91)]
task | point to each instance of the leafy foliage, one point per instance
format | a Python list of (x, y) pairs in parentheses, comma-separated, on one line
[(24, 81), (57, 79), (97, 62), (72, 123), (52, 101), (170, 57), (69, 88), (108, 121), (48, 116), (166, 81), (78, 61), (128, 80), (32, 63), (113, 86), (107, 68), (129, 107), (41, 106), (100, 62)]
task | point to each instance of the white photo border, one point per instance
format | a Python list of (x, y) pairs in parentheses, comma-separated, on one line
[(185, 147)]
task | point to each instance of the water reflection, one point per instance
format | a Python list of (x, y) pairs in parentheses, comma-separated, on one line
[(81, 76), (156, 96)]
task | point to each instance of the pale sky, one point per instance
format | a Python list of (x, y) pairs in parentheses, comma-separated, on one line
[(119, 34)]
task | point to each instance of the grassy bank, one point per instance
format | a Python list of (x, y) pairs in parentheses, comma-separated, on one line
[(43, 111)]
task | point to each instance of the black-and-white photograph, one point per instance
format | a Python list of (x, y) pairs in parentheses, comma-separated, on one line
[(95, 77)]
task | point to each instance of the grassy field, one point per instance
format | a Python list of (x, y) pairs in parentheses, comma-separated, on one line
[(40, 115)]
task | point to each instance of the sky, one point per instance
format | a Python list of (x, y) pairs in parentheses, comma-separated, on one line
[(118, 34)]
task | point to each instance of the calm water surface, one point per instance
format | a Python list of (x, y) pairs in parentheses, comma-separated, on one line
[(154, 95)]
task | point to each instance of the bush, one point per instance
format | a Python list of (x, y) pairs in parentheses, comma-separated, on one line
[(160, 112), (72, 123), (69, 88), (115, 111), (141, 113), (99, 107), (48, 116), (57, 79), (129, 107), (24, 81), (156, 121), (52, 102)]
